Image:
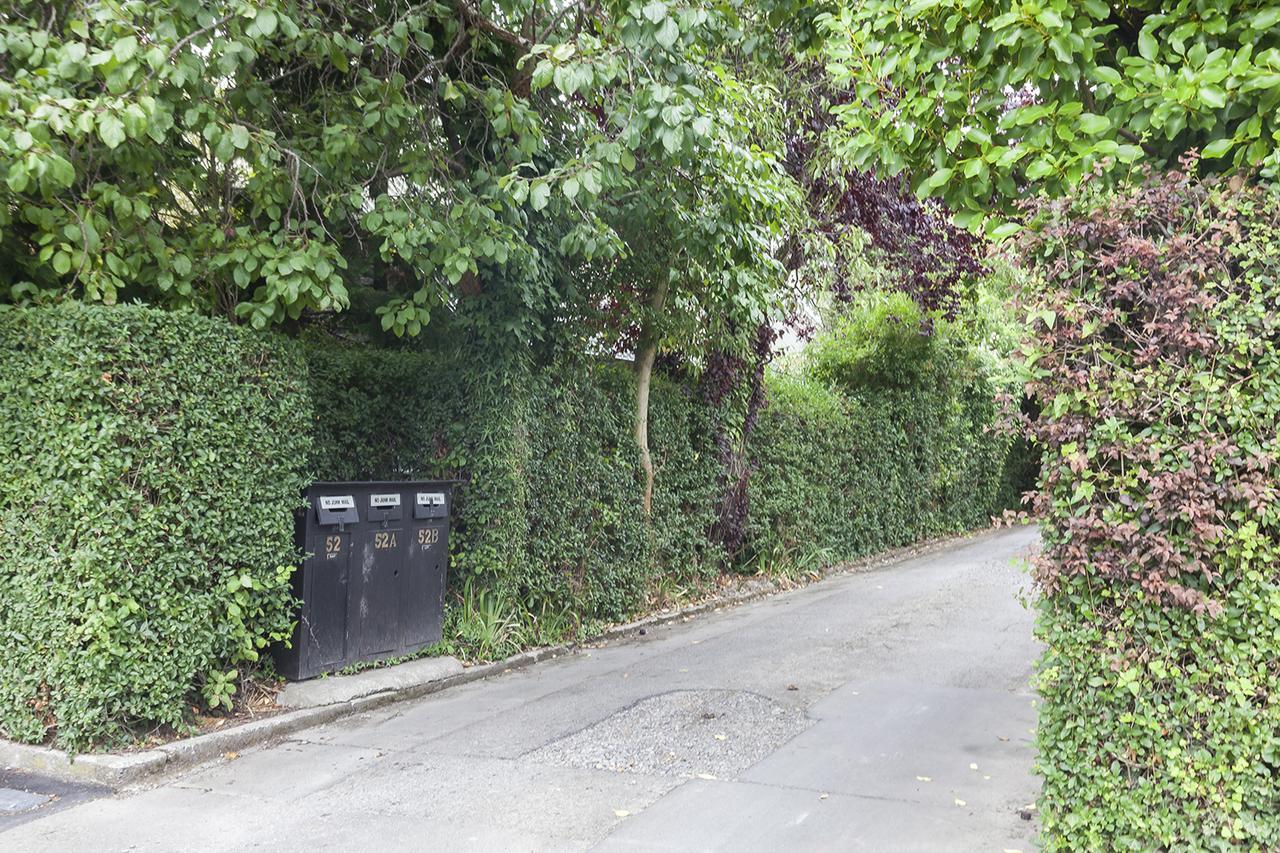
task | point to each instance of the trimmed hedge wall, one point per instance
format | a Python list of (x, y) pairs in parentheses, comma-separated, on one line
[(549, 514), (851, 472), (888, 437), (1157, 366), (157, 460), (153, 461)]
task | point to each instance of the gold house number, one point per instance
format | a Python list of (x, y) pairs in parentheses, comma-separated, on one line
[(332, 545), (428, 536), (384, 540)]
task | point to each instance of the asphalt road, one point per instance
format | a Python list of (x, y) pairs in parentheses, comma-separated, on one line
[(886, 710)]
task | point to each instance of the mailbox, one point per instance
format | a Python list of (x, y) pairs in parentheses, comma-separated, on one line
[(372, 581)]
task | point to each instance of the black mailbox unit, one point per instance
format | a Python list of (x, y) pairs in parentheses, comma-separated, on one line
[(372, 582)]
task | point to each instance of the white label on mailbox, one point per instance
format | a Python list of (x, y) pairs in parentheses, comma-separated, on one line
[(430, 499), (337, 502), (384, 500)]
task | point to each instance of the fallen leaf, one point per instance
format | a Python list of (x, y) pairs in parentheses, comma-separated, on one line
[(707, 776), (961, 803), (621, 812), (720, 737), (923, 779), (822, 796), (231, 756), (1003, 738), (972, 766), (792, 687), (986, 777)]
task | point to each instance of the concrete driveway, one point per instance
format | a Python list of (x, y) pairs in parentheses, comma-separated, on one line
[(886, 710)]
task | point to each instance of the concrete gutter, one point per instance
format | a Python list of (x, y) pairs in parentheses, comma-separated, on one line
[(324, 700)]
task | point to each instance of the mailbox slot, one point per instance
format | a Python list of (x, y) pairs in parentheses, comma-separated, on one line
[(430, 505), (336, 510), (384, 506)]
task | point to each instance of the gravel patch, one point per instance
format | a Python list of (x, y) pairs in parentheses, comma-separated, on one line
[(684, 733)]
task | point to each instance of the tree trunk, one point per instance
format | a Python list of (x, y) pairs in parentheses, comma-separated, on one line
[(645, 356)]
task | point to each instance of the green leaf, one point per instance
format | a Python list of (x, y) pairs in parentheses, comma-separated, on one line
[(937, 179), (539, 195), (1039, 168), (1218, 148), (1129, 153), (125, 48), (997, 230), (1092, 125), (265, 21), (1050, 20), (655, 11), (111, 130), (1213, 97), (240, 136), (1266, 18), (1147, 47), (1105, 74), (667, 33)]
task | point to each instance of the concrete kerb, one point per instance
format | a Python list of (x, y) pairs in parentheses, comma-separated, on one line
[(117, 770)]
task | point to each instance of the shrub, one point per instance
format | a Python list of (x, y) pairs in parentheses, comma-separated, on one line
[(1156, 366), (883, 340), (153, 462)]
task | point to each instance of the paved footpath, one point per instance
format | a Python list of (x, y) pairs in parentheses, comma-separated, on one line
[(886, 710)]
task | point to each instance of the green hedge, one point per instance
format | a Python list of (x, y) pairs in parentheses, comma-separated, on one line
[(158, 459), (1157, 364), (152, 464), (847, 472), (549, 513)]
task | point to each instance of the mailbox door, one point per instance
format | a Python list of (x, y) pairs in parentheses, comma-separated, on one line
[(373, 599), (423, 601), (323, 625)]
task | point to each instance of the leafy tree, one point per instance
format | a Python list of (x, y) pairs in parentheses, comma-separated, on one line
[(687, 181), (979, 101), (567, 165), (237, 157)]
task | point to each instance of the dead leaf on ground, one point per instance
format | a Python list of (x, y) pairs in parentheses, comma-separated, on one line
[(621, 812), (923, 779), (960, 802), (231, 756)]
